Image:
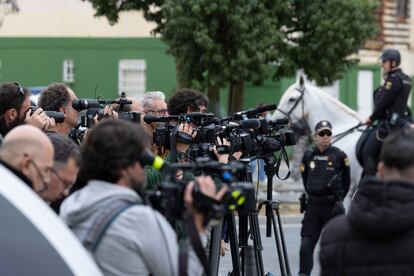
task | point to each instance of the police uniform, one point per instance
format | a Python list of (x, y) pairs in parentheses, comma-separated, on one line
[(326, 178), (390, 111)]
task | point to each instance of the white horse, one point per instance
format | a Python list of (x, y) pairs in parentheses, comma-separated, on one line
[(313, 105)]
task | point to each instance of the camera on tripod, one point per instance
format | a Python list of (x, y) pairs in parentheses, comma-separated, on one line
[(93, 108), (168, 199)]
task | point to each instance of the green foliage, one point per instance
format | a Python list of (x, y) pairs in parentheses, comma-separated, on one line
[(322, 35), (217, 42)]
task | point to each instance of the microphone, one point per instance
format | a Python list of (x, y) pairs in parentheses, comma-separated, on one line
[(283, 121), (266, 107), (149, 118), (254, 111), (146, 158), (250, 124), (81, 104)]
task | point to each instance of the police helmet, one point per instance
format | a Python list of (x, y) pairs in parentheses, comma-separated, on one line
[(391, 54)]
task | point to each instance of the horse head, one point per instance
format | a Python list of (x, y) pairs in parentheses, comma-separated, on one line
[(293, 104)]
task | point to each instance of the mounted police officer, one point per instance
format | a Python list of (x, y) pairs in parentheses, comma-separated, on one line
[(390, 109), (326, 178)]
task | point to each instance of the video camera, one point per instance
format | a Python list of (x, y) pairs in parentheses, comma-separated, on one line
[(168, 199), (95, 108), (58, 116)]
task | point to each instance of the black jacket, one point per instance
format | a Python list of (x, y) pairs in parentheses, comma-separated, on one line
[(377, 235), (319, 168), (392, 96)]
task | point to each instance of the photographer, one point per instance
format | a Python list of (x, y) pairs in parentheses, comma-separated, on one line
[(15, 109), (376, 236), (139, 241), (59, 97)]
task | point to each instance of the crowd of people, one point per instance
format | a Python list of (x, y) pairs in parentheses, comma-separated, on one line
[(97, 185)]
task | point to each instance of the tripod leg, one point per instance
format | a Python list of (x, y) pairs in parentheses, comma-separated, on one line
[(234, 247), (282, 238), (278, 248), (215, 245), (243, 239), (257, 242)]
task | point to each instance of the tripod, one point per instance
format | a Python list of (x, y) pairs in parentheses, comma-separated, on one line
[(251, 219), (273, 217)]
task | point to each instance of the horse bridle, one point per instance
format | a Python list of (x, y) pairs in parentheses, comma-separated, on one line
[(300, 99)]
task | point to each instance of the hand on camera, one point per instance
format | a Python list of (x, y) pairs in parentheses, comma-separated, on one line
[(368, 121), (208, 188), (222, 158), (188, 129), (38, 119), (107, 113)]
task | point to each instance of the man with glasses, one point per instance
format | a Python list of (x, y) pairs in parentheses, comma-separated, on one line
[(28, 153), (153, 102), (65, 169), (15, 109), (326, 178)]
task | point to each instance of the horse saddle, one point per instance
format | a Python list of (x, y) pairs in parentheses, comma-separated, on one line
[(362, 141)]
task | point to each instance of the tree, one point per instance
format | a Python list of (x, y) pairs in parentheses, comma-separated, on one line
[(224, 43)]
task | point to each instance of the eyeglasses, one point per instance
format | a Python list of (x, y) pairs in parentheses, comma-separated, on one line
[(158, 111), (19, 91), (66, 184), (41, 175), (325, 133)]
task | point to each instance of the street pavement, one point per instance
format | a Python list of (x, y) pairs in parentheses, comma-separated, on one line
[(291, 228)]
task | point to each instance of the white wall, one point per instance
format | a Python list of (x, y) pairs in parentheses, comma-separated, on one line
[(69, 18)]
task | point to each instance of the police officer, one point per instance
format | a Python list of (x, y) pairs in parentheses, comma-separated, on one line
[(390, 109), (326, 178)]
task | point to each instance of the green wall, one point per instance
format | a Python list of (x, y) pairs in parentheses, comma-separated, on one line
[(38, 62)]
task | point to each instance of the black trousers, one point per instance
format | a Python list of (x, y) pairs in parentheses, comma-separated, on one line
[(315, 218), (370, 155)]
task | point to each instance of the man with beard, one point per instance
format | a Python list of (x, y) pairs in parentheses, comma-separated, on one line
[(133, 239), (15, 109), (59, 97)]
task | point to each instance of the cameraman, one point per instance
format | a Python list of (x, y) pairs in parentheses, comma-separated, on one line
[(139, 241), (15, 109), (59, 97)]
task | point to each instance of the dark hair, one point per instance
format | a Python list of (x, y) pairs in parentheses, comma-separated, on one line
[(65, 148), (111, 146), (54, 97), (11, 97), (185, 98), (398, 149)]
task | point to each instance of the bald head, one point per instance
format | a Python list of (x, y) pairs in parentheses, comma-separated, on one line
[(29, 151), (24, 139)]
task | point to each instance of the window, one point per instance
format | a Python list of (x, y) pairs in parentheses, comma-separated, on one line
[(68, 71), (402, 10), (132, 77)]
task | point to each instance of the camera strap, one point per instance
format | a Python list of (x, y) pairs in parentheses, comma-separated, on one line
[(197, 245), (102, 222), (283, 155)]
